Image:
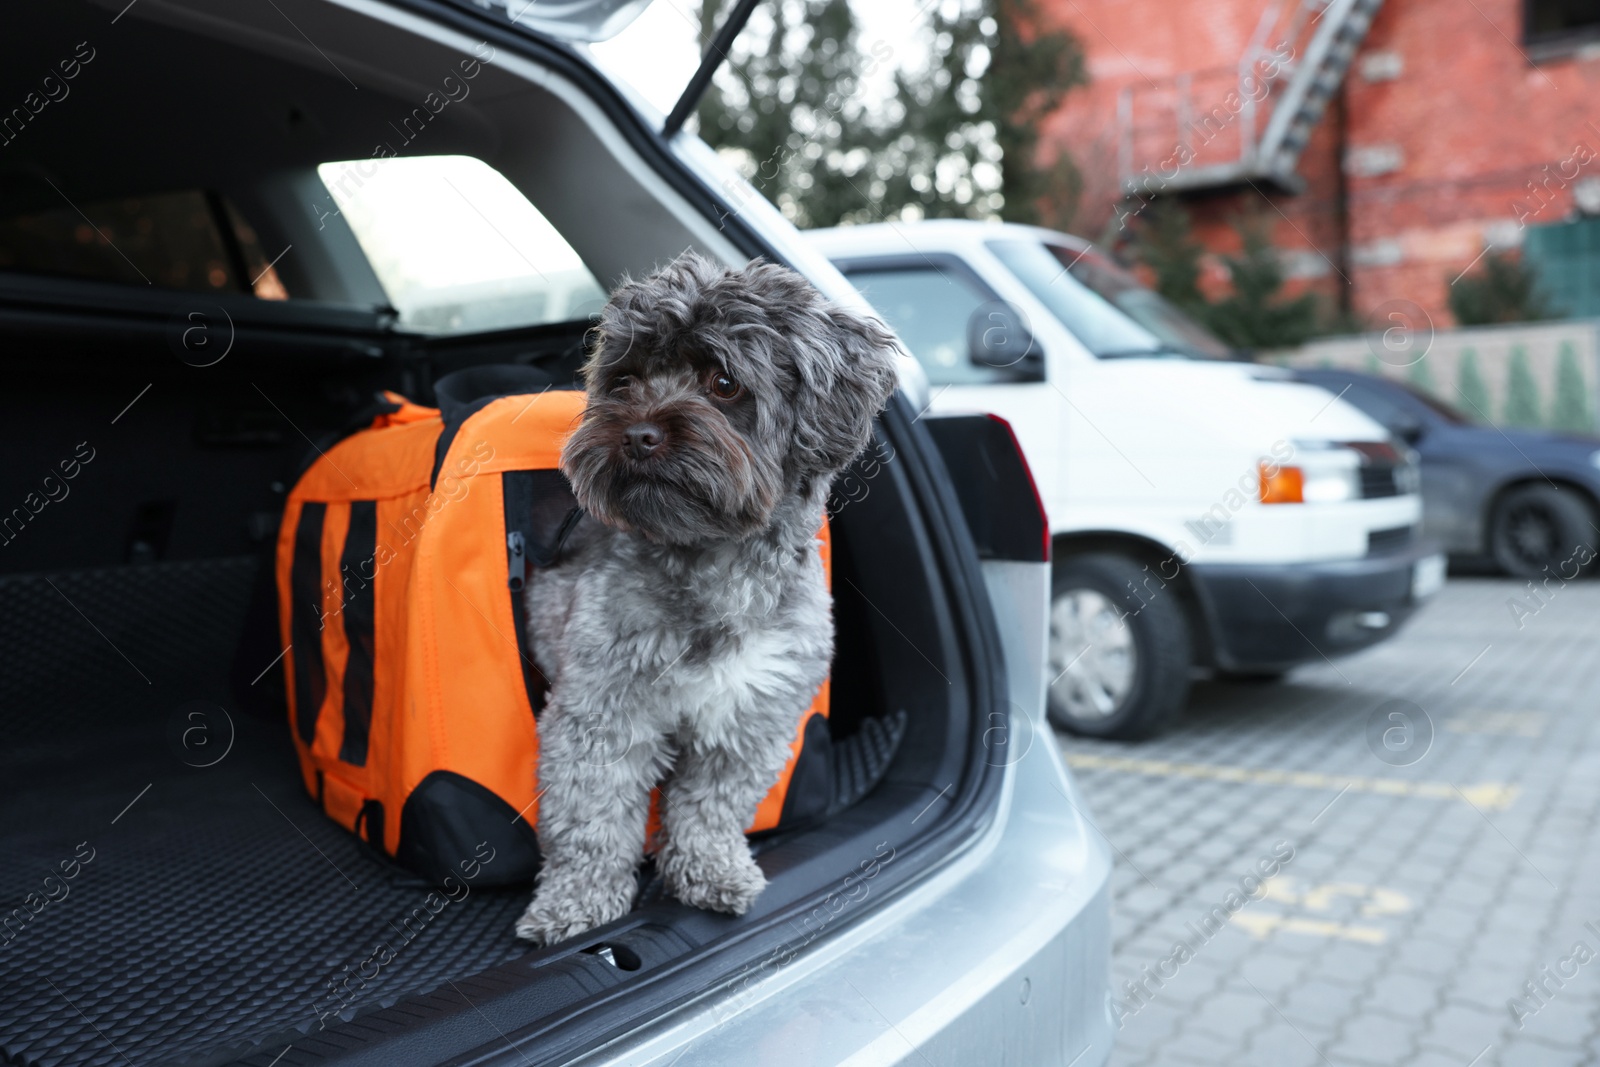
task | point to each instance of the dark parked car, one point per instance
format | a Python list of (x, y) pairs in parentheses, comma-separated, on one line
[(1527, 499)]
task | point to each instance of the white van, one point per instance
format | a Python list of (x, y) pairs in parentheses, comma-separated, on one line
[(1204, 511)]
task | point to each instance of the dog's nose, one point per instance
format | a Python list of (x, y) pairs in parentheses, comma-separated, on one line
[(642, 439)]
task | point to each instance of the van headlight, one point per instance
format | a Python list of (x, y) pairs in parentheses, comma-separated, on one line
[(1332, 485), (1323, 473)]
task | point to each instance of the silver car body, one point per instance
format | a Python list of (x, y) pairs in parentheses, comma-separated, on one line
[(1001, 956)]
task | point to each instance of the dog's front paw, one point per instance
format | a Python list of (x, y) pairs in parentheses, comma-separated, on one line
[(555, 915), (549, 923), (724, 879)]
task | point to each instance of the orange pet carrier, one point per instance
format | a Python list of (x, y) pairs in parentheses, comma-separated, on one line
[(413, 698)]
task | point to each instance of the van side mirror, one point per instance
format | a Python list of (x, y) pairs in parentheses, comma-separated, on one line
[(998, 338)]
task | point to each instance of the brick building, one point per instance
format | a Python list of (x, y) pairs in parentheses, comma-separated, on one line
[(1388, 144)]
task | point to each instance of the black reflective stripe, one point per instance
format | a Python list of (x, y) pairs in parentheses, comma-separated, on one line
[(358, 568), (305, 620)]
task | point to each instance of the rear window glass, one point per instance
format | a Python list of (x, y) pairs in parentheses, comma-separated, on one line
[(457, 247), (192, 240)]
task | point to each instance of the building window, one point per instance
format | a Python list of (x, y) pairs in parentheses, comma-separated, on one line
[(1554, 27), (1565, 258)]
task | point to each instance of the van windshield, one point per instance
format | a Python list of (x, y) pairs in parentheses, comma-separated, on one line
[(1104, 306)]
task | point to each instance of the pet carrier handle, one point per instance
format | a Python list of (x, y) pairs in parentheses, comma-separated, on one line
[(461, 389)]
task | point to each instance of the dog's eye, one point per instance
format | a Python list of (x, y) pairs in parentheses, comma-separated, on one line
[(621, 382), (724, 387)]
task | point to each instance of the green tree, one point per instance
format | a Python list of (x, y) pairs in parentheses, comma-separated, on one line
[(1502, 289), (1473, 390), (959, 138), (792, 105), (1256, 315), (1164, 242), (1570, 410), (1034, 63), (1522, 392)]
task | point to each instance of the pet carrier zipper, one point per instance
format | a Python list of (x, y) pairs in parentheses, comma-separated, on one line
[(516, 553)]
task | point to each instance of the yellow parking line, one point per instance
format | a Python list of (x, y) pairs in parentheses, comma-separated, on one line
[(1491, 795), (1503, 723), (1260, 926)]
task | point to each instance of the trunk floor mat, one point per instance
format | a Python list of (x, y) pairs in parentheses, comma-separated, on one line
[(217, 905), (210, 906)]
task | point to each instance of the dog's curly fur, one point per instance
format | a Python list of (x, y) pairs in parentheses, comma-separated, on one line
[(690, 625)]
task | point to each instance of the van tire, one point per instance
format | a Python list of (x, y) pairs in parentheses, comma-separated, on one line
[(1086, 593)]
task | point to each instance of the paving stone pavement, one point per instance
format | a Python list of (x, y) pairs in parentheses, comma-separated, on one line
[(1427, 908)]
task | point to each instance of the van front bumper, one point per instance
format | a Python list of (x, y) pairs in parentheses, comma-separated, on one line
[(1269, 617)]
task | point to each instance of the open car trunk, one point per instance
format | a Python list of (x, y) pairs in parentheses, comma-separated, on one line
[(168, 893)]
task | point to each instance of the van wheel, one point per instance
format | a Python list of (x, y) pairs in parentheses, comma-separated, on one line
[(1119, 662), (1539, 526)]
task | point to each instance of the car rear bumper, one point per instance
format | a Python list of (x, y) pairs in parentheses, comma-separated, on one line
[(1274, 616), (1002, 957)]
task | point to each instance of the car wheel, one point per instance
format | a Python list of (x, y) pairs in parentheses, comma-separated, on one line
[(1119, 662), (1538, 527)]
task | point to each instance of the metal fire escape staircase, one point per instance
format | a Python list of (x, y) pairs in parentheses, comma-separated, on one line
[(1199, 130)]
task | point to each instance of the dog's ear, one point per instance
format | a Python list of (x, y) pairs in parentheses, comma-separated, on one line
[(847, 374)]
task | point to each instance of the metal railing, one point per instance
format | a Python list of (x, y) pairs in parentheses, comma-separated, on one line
[(1247, 121)]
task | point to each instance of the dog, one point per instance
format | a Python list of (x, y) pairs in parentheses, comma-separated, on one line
[(689, 624)]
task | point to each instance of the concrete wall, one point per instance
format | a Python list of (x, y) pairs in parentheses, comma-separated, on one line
[(1434, 363)]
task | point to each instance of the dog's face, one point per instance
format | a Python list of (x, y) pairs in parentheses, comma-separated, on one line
[(715, 395)]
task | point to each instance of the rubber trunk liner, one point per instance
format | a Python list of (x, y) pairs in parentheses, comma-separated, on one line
[(218, 905), (169, 894), (207, 905)]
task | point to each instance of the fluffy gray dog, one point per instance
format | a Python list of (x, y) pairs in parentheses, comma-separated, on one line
[(690, 625)]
